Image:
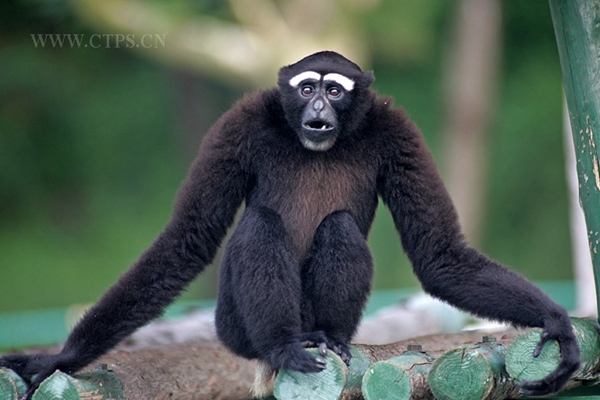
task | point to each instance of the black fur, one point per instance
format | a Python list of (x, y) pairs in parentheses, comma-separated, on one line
[(297, 269)]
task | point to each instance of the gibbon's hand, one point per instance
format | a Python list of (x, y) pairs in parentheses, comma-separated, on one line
[(569, 363), (34, 369)]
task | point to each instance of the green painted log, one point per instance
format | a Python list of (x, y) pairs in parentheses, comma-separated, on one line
[(335, 382), (325, 385), (355, 373), (578, 38), (522, 366), (11, 385), (472, 372), (399, 378), (97, 385), (57, 386)]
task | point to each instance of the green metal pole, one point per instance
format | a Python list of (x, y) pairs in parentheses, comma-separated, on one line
[(577, 28)]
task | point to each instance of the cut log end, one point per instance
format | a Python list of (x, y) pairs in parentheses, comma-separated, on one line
[(471, 372), (11, 385), (325, 385), (523, 366)]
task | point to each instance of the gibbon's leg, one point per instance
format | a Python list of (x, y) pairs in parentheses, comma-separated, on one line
[(228, 321), (336, 281), (258, 311)]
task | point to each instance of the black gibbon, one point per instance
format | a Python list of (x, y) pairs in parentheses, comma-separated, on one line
[(308, 159)]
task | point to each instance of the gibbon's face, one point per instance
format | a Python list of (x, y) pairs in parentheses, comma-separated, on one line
[(321, 98)]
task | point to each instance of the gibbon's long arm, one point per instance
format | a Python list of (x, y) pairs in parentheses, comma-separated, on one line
[(424, 216), (205, 208)]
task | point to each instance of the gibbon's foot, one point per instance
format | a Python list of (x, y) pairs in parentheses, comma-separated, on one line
[(321, 341), (293, 356), (313, 339), (341, 349), (323, 349)]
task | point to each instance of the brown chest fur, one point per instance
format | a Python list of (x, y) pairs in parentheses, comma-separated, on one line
[(312, 190)]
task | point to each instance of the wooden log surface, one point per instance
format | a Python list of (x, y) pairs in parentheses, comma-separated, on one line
[(206, 370), (325, 385), (11, 385), (434, 345), (522, 366), (472, 371), (183, 371), (404, 377)]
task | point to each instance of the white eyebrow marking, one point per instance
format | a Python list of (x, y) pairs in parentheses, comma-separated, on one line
[(345, 82), (295, 81)]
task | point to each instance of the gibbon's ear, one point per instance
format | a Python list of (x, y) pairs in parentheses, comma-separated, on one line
[(369, 77)]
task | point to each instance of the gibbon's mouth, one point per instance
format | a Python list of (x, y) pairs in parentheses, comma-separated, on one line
[(318, 126), (318, 135)]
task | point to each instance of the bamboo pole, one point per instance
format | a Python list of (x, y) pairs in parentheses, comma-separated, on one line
[(577, 36)]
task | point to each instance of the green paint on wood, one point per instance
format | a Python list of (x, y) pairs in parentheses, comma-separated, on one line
[(587, 333), (58, 386), (356, 370), (386, 380), (471, 372), (11, 385), (399, 378), (577, 28), (325, 385), (522, 366), (520, 363), (100, 384)]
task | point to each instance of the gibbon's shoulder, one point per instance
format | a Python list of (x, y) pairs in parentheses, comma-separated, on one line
[(261, 106), (391, 123), (249, 115), (386, 115)]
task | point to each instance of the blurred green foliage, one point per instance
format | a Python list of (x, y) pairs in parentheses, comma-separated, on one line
[(94, 143)]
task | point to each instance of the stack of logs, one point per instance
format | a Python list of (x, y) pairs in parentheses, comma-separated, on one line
[(488, 367)]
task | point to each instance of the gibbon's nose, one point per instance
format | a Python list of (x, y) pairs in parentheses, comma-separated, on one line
[(318, 105)]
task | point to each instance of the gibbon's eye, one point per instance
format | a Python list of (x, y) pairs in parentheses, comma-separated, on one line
[(334, 92), (307, 90)]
